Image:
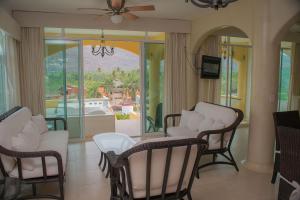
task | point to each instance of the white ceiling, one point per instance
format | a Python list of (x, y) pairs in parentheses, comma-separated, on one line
[(165, 9)]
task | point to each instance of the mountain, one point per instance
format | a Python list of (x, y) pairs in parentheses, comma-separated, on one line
[(125, 60)]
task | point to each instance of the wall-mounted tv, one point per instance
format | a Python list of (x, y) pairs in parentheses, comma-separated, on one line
[(211, 67)]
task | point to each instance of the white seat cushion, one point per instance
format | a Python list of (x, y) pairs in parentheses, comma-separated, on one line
[(52, 140)]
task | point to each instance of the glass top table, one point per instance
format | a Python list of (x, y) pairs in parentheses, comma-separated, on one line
[(116, 142)]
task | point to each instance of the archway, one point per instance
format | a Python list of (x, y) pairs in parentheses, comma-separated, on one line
[(233, 88)]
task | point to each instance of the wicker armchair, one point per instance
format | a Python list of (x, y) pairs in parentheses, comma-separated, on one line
[(49, 164), (289, 139), (288, 119), (156, 169), (230, 116)]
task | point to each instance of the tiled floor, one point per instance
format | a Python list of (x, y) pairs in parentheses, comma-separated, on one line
[(84, 180)]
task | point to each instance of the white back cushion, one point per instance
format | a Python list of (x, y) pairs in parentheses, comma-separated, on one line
[(138, 166), (41, 123), (218, 113), (10, 127)]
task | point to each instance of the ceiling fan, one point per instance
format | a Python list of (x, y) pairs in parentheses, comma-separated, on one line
[(118, 11)]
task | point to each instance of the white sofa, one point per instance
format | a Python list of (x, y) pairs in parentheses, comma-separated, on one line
[(215, 123), (52, 147)]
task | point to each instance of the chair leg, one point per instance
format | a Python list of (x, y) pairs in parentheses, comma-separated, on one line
[(276, 168), (34, 189), (108, 170), (101, 159), (189, 196), (61, 189), (233, 161), (104, 165)]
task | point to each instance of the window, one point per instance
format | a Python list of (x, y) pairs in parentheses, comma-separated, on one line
[(235, 74), (285, 76), (113, 91)]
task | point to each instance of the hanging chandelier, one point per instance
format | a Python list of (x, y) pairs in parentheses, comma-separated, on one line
[(102, 49), (216, 4)]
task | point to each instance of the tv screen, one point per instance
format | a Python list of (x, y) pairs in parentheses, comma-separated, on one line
[(210, 68)]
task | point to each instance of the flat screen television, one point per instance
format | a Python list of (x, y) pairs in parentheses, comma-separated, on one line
[(211, 67)]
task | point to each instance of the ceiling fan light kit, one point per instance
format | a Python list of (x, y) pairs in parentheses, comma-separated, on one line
[(216, 4), (117, 19)]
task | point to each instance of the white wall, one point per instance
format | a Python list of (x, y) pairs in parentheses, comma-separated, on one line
[(38, 19), (9, 24)]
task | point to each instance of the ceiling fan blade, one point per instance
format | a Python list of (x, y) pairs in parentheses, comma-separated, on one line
[(102, 9), (141, 8), (130, 16)]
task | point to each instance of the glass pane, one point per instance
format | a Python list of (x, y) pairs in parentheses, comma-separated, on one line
[(62, 89), (239, 77), (53, 32), (82, 33), (156, 36), (112, 88), (224, 75), (118, 34), (235, 67), (2, 73), (285, 77), (154, 87)]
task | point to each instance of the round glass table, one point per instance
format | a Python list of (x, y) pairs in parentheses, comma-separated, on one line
[(116, 142)]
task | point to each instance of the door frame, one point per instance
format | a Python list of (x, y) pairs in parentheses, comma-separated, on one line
[(81, 77)]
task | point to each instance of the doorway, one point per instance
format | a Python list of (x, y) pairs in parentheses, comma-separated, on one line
[(122, 92)]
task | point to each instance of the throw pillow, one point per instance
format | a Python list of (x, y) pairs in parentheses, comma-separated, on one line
[(27, 141), (41, 123), (190, 120)]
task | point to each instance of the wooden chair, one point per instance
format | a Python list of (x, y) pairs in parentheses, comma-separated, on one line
[(159, 169), (230, 116), (289, 139), (288, 119)]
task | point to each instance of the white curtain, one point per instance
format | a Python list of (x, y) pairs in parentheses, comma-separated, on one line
[(175, 73), (9, 72), (12, 72), (32, 69), (3, 107), (209, 90)]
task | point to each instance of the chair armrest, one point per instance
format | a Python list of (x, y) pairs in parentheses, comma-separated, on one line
[(55, 120), (173, 116), (37, 154)]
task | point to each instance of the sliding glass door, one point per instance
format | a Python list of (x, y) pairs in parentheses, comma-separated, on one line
[(112, 88), (235, 76), (63, 83), (153, 86)]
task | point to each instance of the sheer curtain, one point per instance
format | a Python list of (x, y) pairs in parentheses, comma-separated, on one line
[(175, 73), (12, 72), (3, 107), (32, 69), (9, 73), (209, 90)]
